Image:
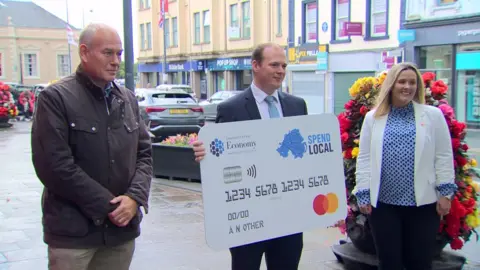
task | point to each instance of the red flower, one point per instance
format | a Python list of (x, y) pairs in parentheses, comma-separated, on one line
[(363, 110), (344, 137), (439, 88), (348, 153), (456, 144), (465, 147), (349, 105), (345, 123), (3, 111), (461, 161), (456, 244), (457, 128), (428, 77)]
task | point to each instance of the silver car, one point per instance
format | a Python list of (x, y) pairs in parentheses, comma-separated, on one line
[(168, 113), (210, 105), (176, 87)]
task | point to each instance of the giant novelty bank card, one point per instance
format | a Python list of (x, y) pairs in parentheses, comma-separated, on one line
[(264, 179)]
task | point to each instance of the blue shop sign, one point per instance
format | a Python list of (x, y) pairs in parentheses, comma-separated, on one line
[(244, 63), (405, 35), (194, 65), (150, 67)]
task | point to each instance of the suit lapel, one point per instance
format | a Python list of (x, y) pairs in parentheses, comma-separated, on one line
[(286, 110), (251, 105), (379, 125), (420, 132)]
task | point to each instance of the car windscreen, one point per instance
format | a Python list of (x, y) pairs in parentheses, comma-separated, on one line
[(172, 98), (186, 89)]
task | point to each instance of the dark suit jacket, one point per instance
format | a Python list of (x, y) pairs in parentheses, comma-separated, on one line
[(243, 107)]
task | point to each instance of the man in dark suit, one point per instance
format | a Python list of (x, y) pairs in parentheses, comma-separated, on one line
[(263, 100)]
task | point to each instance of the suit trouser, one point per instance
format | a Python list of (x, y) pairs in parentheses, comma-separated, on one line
[(405, 236), (103, 258), (280, 253)]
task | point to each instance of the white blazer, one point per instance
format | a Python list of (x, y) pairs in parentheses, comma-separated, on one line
[(433, 154)]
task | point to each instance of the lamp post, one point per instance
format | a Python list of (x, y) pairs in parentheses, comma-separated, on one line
[(128, 46)]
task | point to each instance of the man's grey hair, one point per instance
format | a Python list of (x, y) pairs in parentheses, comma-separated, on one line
[(89, 32)]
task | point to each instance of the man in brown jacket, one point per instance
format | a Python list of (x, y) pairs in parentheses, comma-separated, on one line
[(92, 152)]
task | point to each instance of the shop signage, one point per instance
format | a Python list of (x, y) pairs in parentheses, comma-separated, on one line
[(194, 65), (471, 32), (322, 61), (352, 29), (405, 35), (305, 53), (244, 63)]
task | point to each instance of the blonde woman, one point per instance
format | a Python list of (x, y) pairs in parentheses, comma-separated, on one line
[(405, 174)]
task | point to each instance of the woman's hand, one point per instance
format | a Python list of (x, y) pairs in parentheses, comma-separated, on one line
[(366, 209), (443, 206)]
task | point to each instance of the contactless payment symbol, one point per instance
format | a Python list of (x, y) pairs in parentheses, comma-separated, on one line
[(325, 204)]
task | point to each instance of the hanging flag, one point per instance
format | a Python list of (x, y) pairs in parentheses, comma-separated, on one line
[(71, 36), (163, 11)]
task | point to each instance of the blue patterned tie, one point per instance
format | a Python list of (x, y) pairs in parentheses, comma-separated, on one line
[(272, 109)]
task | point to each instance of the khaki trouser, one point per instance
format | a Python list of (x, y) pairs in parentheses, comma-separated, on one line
[(104, 258)]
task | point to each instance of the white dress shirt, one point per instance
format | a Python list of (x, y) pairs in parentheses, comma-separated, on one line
[(262, 105)]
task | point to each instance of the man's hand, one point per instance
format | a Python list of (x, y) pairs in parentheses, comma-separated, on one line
[(443, 206), (124, 212), (199, 150)]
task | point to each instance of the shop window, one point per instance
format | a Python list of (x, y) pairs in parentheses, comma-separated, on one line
[(341, 14), (310, 27), (438, 59)]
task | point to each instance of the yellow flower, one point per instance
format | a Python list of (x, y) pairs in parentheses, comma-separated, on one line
[(466, 167), (475, 186), (343, 154), (473, 220), (356, 141), (355, 152), (367, 95), (468, 179), (473, 162)]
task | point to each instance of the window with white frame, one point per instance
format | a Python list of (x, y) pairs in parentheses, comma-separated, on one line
[(279, 17), (63, 65), (246, 19), (30, 65), (142, 4), (234, 16), (206, 26), (378, 18), (342, 16), (147, 3), (196, 22), (142, 36), (175, 31), (149, 36), (311, 12), (445, 2), (1, 65)]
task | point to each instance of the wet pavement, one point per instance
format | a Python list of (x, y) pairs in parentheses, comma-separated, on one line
[(172, 233)]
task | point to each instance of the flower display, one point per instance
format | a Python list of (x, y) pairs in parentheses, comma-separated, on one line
[(7, 104), (457, 227), (181, 140)]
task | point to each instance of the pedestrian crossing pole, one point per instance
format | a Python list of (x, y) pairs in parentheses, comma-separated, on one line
[(68, 41)]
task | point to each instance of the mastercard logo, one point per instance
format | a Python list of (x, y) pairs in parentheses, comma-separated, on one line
[(325, 204)]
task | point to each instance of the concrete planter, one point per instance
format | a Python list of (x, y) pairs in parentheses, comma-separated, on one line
[(174, 162)]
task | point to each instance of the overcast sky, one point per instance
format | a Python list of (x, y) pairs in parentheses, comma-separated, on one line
[(103, 11)]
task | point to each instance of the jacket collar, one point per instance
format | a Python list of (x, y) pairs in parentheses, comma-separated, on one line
[(94, 89)]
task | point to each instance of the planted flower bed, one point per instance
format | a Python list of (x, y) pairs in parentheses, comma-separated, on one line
[(7, 106), (173, 158)]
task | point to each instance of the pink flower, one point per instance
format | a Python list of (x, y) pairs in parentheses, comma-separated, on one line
[(447, 111)]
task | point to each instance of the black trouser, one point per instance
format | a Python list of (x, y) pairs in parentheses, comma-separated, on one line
[(280, 253), (404, 236)]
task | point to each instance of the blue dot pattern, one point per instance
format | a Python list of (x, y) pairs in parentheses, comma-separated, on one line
[(398, 158), (447, 189), (398, 162)]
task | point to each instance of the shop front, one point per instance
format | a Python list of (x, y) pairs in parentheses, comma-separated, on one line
[(306, 75), (178, 72), (230, 73), (150, 74), (452, 52)]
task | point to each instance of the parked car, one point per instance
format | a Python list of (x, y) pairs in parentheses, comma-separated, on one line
[(168, 113), (176, 87), (210, 105)]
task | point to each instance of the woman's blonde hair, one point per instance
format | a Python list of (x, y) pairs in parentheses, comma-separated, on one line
[(384, 98)]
